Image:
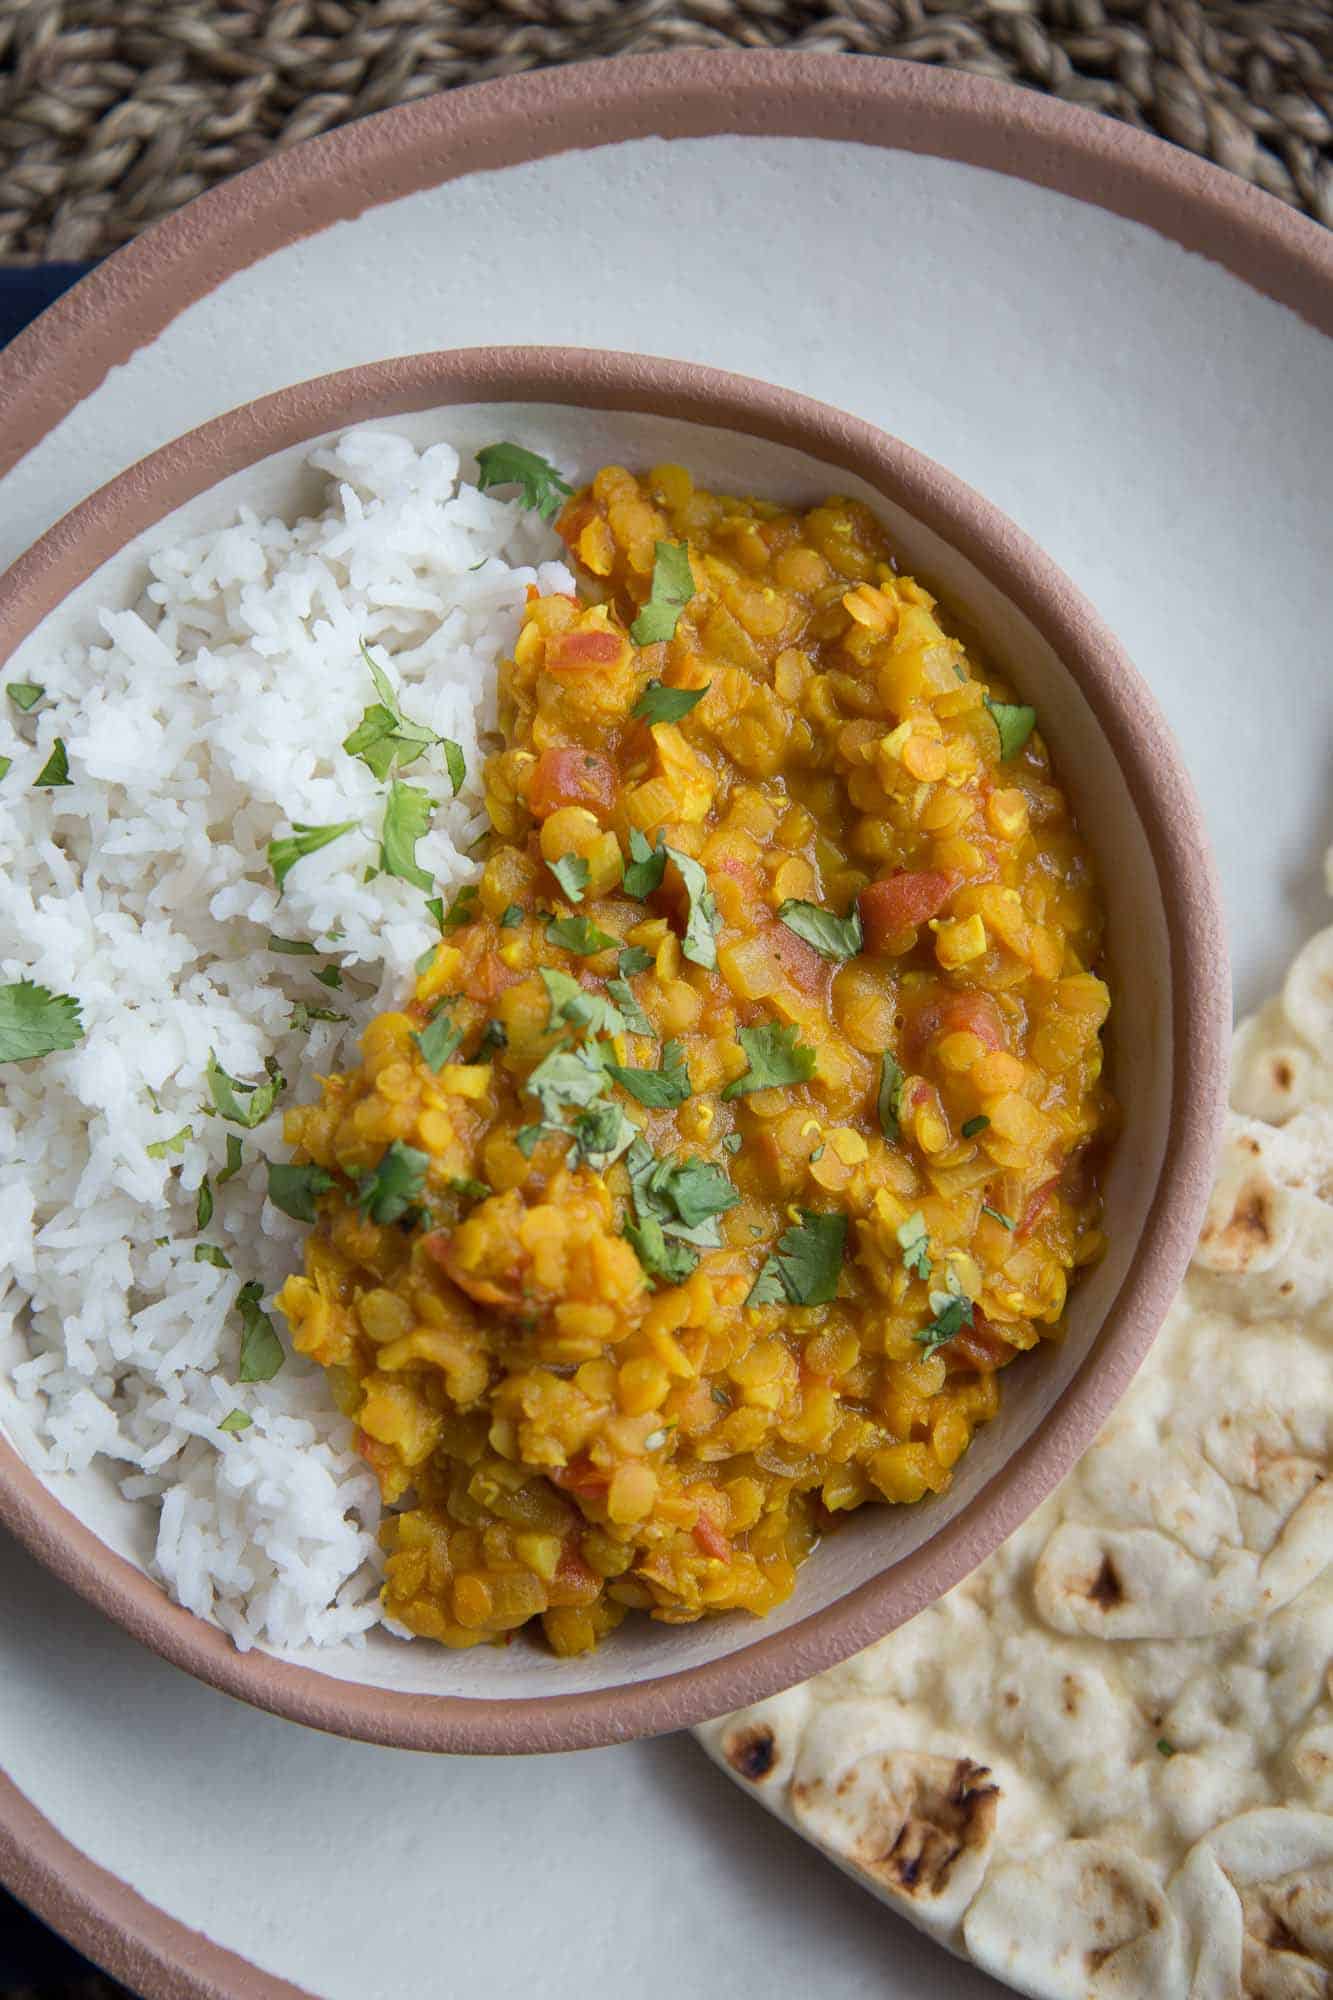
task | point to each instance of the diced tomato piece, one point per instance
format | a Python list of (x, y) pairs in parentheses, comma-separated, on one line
[(574, 517), (491, 978), (580, 1476), (378, 1456), (574, 1582), (952, 1014), (979, 1347), (1036, 1208), (807, 971), (711, 1539), (583, 652), (571, 777), (900, 902)]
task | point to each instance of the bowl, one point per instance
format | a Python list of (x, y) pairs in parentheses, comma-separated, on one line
[(1168, 1038)]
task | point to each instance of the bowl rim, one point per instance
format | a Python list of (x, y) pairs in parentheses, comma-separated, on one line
[(1137, 734)]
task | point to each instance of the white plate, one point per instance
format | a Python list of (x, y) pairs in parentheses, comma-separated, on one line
[(1158, 423)]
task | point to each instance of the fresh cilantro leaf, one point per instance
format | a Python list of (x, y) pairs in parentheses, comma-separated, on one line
[(302, 1017), (658, 1088), (511, 917), (261, 1350), (438, 1040), (284, 854), (699, 1189), (971, 1126), (700, 940), (203, 1207), (571, 872), (55, 771), (775, 1056), (733, 1142), (601, 1134), (161, 1149), (6, 766), (527, 1136), (673, 587), (1015, 723), (671, 1262), (407, 814), (234, 1421), (633, 959), (889, 1102), (293, 1188), (386, 741), (233, 1166), (658, 703), (387, 1194), (834, 938), (25, 695), (329, 975), (953, 1311), (816, 1153), (647, 865), (435, 905), (567, 1079), (461, 910), (469, 1190), (208, 1253), (291, 947), (805, 1267), (579, 935), (914, 1242), (34, 1021), (540, 485), (1005, 1221), (455, 763), (575, 1005), (227, 1093), (684, 1197), (636, 1021), (1165, 1748), (493, 1036)]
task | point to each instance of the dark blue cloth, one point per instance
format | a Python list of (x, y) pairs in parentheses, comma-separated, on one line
[(31, 1955)]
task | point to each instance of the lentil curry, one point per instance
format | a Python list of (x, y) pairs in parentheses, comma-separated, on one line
[(743, 1124)]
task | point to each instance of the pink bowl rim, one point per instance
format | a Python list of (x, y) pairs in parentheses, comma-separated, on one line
[(136, 293), (1163, 798)]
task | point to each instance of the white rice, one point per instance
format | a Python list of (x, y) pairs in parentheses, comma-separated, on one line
[(208, 722)]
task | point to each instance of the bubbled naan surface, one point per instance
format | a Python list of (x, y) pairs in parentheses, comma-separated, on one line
[(1102, 1767)]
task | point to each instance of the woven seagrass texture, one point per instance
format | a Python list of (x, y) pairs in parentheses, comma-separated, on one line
[(114, 112)]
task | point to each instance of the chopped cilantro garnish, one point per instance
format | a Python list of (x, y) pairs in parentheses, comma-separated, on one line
[(24, 694), (469, 1190), (804, 1268), (971, 1126), (678, 1200), (671, 1262), (461, 910), (511, 917), (261, 1350), (208, 1253), (6, 766), (658, 703), (1164, 1748), (438, 1040), (600, 1134), (914, 1242), (833, 937), (162, 1149), (407, 814), (1005, 1221), (540, 485), (732, 1143), (55, 771), (579, 935), (567, 1079), (816, 1153), (291, 947), (636, 1021), (293, 1188), (34, 1021), (647, 865), (235, 1420), (233, 1166), (385, 739), (284, 854), (775, 1056), (672, 589), (658, 1088), (227, 1094), (392, 1189), (455, 763), (633, 959), (203, 1207), (952, 1310), (302, 1017), (571, 872), (493, 1036), (577, 1007), (889, 1101), (700, 940), (1015, 723)]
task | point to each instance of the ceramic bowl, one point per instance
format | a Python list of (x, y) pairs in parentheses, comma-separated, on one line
[(1168, 1037)]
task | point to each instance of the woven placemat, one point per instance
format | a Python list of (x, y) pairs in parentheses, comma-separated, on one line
[(114, 112)]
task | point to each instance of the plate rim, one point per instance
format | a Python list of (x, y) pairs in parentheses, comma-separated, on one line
[(1268, 247)]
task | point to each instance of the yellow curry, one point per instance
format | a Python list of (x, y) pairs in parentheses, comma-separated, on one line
[(744, 1122)]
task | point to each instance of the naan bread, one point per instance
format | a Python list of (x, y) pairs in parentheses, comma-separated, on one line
[(1101, 1768)]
